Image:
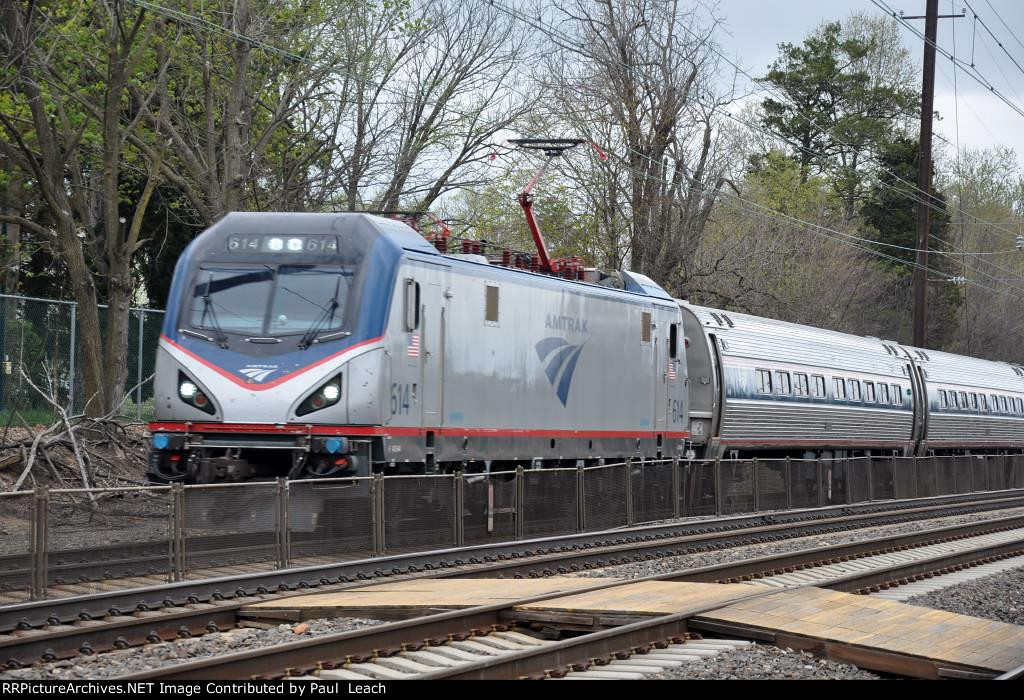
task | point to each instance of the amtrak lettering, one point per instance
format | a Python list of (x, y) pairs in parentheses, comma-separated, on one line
[(566, 323), (562, 364)]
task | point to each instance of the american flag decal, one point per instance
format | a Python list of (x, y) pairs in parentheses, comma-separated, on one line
[(413, 349), (671, 370)]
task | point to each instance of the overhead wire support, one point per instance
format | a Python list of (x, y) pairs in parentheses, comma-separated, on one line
[(552, 149)]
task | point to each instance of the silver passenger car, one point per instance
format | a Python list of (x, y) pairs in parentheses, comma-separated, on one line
[(765, 387), (972, 404)]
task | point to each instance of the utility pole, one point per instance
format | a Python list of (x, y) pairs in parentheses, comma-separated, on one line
[(924, 175), (924, 172)]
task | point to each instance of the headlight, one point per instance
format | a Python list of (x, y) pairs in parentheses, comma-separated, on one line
[(326, 395), (190, 393)]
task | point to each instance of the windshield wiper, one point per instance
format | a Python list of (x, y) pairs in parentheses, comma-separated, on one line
[(220, 337), (325, 318)]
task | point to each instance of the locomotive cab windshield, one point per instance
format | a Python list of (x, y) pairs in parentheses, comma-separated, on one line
[(271, 303)]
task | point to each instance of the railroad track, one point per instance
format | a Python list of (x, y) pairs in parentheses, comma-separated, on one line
[(483, 642), (126, 627)]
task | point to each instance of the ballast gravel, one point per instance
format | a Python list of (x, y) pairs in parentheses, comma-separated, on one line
[(750, 551), (764, 663), (118, 663), (997, 597)]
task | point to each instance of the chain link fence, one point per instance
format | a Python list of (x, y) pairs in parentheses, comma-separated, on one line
[(69, 542), (40, 345)]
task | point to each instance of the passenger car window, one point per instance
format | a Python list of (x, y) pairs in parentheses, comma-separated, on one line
[(974, 401), (943, 399), (819, 386), (883, 393), (802, 386), (782, 383), (984, 403), (855, 390), (840, 388), (764, 381), (645, 330), (869, 392), (897, 395)]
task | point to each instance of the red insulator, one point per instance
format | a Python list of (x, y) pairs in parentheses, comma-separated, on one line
[(467, 246), (506, 257), (441, 243), (534, 263), (478, 248)]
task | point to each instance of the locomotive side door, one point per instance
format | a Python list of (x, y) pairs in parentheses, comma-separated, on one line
[(433, 312), (660, 373)]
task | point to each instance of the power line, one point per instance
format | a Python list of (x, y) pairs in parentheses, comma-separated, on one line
[(969, 69), (999, 17), (994, 37)]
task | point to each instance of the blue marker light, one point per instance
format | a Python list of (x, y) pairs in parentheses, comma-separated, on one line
[(332, 445), (161, 441)]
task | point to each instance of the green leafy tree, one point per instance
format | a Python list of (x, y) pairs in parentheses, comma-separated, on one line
[(842, 100), (891, 212)]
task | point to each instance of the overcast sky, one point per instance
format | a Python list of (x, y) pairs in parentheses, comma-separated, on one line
[(753, 28)]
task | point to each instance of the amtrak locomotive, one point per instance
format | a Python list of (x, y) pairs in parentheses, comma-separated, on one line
[(326, 345)]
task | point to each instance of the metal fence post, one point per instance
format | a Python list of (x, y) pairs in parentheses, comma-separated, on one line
[(138, 367), (755, 472), (177, 531), (283, 555), (40, 542), (629, 490), (581, 509), (717, 476), (520, 503), (787, 474), (675, 487), (821, 482), (377, 499), (460, 502), (71, 360)]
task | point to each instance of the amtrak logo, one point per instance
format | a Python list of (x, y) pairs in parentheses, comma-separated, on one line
[(257, 373), (561, 358)]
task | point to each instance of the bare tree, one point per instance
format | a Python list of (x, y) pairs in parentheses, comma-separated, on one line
[(641, 67)]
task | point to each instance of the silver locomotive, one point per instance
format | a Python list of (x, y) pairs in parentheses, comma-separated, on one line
[(332, 345)]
